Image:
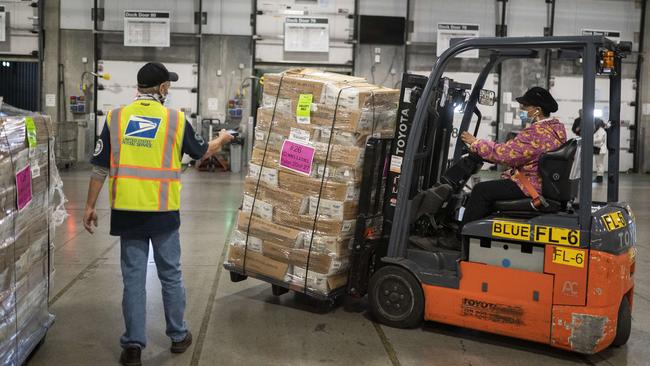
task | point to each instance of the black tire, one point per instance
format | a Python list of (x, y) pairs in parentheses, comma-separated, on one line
[(396, 297), (623, 323)]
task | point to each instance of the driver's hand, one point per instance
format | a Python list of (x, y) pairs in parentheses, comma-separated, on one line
[(467, 138)]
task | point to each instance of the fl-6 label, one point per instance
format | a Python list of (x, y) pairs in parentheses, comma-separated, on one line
[(613, 220), (569, 257)]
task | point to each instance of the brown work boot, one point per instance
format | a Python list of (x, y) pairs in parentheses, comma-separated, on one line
[(182, 346), (131, 356)]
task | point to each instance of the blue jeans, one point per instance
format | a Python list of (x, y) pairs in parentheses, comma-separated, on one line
[(167, 255)]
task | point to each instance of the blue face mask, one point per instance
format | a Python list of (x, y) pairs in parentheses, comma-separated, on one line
[(523, 116)]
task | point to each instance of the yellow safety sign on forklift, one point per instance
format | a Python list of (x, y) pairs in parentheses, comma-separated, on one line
[(541, 234), (613, 220), (511, 230), (569, 257), (557, 235)]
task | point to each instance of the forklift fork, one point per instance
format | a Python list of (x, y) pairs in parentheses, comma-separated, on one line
[(368, 228)]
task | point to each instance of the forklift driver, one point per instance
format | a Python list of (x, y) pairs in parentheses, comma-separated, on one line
[(521, 155)]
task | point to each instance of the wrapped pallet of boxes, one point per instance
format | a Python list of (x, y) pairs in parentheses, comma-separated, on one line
[(30, 199), (301, 193)]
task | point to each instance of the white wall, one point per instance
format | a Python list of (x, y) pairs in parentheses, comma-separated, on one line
[(525, 18), (76, 14), (389, 8), (230, 17), (571, 16)]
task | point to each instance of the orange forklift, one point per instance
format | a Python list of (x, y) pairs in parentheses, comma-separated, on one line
[(560, 274)]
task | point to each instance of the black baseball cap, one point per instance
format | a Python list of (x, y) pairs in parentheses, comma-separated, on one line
[(539, 97), (153, 74)]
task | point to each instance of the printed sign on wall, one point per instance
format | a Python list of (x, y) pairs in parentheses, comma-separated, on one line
[(306, 34), (146, 28)]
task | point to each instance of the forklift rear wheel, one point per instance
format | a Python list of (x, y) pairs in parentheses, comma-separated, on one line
[(396, 297), (623, 324)]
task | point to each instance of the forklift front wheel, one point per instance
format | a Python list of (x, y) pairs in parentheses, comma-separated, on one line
[(623, 324), (396, 297)]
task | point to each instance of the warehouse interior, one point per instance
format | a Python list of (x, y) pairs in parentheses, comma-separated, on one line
[(66, 65)]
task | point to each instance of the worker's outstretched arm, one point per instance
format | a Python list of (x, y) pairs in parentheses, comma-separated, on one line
[(217, 143), (94, 188)]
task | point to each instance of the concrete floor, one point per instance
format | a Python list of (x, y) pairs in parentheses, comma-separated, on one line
[(243, 324)]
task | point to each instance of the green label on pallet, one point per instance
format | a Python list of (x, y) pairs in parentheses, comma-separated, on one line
[(31, 132), (303, 111)]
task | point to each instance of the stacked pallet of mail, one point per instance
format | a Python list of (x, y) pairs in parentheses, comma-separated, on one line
[(301, 194), (28, 181)]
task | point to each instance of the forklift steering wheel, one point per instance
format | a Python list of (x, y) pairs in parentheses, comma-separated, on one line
[(474, 156)]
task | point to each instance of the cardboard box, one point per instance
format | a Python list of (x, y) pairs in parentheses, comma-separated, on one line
[(267, 230), (257, 263), (335, 191), (378, 121), (336, 155), (328, 88), (325, 226), (334, 171), (294, 82), (324, 263), (293, 202), (337, 245), (316, 281)]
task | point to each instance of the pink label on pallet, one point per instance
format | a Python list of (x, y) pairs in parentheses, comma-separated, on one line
[(24, 187), (297, 157)]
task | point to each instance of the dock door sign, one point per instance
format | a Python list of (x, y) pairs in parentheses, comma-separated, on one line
[(613, 35), (144, 28), (306, 34), (448, 31)]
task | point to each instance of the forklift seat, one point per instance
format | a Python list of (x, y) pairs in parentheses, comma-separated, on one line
[(558, 187)]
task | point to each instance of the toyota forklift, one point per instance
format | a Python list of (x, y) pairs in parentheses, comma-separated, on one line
[(556, 270)]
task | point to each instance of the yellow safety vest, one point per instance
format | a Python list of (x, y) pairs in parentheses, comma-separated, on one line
[(145, 169)]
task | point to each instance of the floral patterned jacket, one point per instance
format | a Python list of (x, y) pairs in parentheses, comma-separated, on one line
[(522, 153)]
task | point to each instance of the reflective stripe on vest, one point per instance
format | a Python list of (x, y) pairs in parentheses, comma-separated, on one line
[(145, 157)]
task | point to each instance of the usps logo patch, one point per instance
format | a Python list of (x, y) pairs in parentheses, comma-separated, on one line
[(142, 127), (99, 147)]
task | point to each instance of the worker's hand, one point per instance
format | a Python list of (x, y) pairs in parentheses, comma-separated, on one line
[(467, 138), (90, 219), (225, 137)]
